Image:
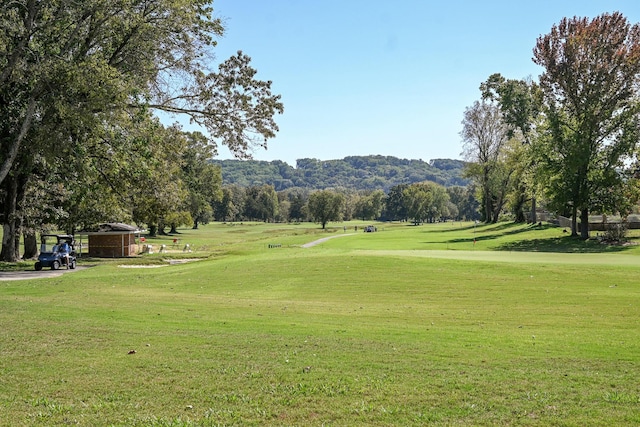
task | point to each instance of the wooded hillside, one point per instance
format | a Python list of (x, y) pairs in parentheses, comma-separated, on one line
[(355, 172)]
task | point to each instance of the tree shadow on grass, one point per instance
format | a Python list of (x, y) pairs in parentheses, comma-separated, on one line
[(566, 244), (515, 228), (466, 227), (470, 239), (492, 228), (499, 230)]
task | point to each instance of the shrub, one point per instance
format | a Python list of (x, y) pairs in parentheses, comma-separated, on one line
[(616, 232)]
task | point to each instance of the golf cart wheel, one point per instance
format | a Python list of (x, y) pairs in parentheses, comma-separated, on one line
[(38, 266), (55, 265), (72, 264)]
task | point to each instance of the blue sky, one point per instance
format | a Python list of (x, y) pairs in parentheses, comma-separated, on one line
[(386, 77)]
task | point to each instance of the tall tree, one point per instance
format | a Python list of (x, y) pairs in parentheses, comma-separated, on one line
[(426, 201), (464, 200), (369, 205), (485, 135), (590, 85), (154, 190), (284, 207), (229, 207), (202, 179), (76, 66), (325, 206), (297, 198), (395, 205), (297, 206), (261, 203), (520, 104)]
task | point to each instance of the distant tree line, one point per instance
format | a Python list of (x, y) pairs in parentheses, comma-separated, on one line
[(355, 172), (417, 203)]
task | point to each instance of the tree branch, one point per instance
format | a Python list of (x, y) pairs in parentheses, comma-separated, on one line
[(15, 146)]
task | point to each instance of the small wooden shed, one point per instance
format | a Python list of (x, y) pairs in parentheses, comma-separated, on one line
[(112, 240)]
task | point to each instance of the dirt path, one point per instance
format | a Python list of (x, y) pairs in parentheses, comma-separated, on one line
[(324, 239)]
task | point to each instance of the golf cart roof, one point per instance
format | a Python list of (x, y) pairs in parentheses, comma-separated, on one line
[(59, 237)]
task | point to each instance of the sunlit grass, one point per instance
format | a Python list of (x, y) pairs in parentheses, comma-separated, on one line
[(356, 331)]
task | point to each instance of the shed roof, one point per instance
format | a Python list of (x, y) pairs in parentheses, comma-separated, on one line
[(111, 228)]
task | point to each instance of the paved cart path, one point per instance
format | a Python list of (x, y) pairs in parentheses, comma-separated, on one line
[(32, 274), (324, 239)]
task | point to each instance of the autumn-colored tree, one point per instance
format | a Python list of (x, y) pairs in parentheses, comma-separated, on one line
[(590, 85)]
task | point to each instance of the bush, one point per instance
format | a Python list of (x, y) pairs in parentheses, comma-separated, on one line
[(616, 232)]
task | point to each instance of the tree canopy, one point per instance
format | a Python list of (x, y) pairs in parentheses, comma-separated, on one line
[(426, 201), (570, 138), (85, 59), (325, 206), (485, 137), (590, 87), (80, 83)]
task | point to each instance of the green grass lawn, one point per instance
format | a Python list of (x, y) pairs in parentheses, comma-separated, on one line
[(406, 326)]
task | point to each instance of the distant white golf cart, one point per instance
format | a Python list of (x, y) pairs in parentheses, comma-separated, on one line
[(52, 254)]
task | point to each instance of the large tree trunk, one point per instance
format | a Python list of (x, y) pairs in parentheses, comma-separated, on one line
[(9, 252), (30, 245), (518, 206), (518, 210), (486, 196), (534, 208), (499, 204), (584, 223), (574, 221), (21, 191), (488, 211), (494, 211)]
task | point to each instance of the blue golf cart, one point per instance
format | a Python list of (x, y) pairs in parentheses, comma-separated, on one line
[(52, 252)]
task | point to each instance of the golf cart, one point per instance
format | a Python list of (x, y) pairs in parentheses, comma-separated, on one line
[(52, 256)]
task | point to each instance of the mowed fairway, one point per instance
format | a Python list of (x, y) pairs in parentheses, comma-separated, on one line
[(406, 326)]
